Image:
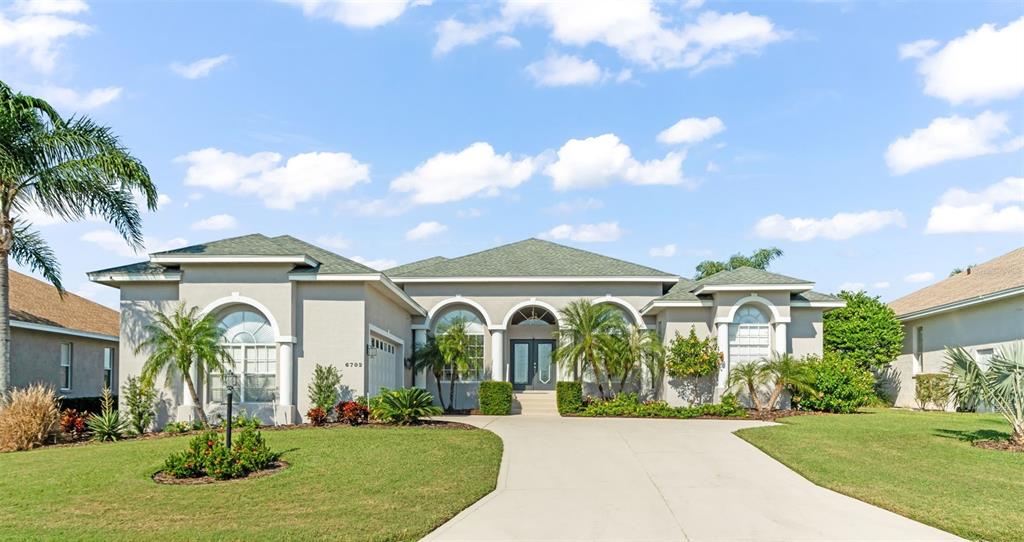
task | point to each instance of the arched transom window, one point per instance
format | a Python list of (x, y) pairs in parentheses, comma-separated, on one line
[(249, 340), (533, 316), (475, 329), (749, 336)]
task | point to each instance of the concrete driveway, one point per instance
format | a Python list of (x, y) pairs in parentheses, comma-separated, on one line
[(627, 479)]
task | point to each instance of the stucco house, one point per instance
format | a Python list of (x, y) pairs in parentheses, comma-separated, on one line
[(980, 309), (65, 342), (287, 305)]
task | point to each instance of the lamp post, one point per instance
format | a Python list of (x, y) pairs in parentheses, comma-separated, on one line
[(230, 381)]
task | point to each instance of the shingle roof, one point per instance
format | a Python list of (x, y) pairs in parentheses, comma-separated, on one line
[(408, 268), (812, 296), (255, 244), (1003, 273), (531, 258), (748, 275), (330, 263), (681, 291), (37, 302), (136, 268)]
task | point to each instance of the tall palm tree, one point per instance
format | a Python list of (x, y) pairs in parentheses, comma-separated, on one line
[(429, 358), (180, 341), (1001, 385), (581, 342), (760, 259), (455, 344), (71, 169)]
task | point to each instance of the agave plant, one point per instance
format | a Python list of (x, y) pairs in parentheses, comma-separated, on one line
[(405, 406), (108, 425), (1001, 385)]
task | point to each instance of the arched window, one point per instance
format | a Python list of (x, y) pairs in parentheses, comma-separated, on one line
[(533, 316), (749, 336), (249, 339), (475, 329)]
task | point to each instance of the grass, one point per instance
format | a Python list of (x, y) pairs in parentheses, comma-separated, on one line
[(351, 483), (918, 464)]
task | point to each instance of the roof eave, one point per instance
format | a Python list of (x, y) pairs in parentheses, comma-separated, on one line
[(114, 278), (655, 279), (178, 259), (380, 278), (939, 309)]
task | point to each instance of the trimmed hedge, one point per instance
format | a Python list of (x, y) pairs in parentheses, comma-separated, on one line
[(570, 397), (628, 405), (495, 398)]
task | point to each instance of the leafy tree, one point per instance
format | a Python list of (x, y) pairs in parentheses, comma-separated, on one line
[(139, 399), (581, 343), (760, 259), (179, 341), (865, 330), (455, 345), (428, 358), (323, 390), (690, 356), (71, 169), (1001, 385)]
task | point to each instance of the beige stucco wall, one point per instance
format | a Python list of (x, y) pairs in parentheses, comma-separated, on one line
[(988, 325), (385, 313), (805, 332), (139, 302), (35, 359)]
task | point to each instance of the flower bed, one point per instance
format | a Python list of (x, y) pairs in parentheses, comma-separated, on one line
[(628, 405)]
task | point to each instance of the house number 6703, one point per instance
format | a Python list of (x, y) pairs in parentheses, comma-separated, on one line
[(354, 364)]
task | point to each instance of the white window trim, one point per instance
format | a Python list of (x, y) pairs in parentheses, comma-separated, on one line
[(69, 378), (108, 382)]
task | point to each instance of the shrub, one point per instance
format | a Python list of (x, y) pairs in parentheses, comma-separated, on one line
[(139, 399), (352, 412), (323, 390), (108, 424), (932, 388), (72, 423), (405, 406), (252, 452), (28, 417), (569, 396), (692, 357), (208, 455), (865, 330), (629, 405), (317, 416), (243, 420), (177, 427), (495, 398), (838, 384), (191, 463)]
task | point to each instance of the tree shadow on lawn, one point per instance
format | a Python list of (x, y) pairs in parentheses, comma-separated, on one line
[(973, 436)]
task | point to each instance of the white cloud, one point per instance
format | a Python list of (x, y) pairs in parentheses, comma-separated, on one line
[(280, 185), (472, 212), (473, 171), (424, 230), (336, 242), (576, 205), (923, 276), (199, 68), (951, 138), (851, 286), (585, 233), (693, 4), (111, 241), (378, 264), (712, 167), (356, 13), (507, 42), (881, 285), (597, 161), (997, 208), (982, 65), (840, 226), (565, 70), (216, 223), (666, 251), (74, 101), (381, 207), (692, 130), (36, 31)]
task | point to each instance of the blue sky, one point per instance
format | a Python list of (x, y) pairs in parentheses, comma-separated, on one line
[(877, 144)]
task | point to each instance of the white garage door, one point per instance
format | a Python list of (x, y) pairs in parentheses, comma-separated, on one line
[(383, 365)]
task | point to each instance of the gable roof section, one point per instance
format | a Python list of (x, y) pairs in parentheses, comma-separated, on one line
[(409, 268), (330, 263), (255, 244), (531, 258), (686, 293), (1001, 276), (748, 275), (36, 302)]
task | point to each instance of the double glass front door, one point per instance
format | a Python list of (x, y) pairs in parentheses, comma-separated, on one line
[(532, 364)]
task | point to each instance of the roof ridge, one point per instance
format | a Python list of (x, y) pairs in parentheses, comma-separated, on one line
[(235, 238), (321, 249)]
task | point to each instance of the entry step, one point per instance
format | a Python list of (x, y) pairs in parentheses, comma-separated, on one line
[(535, 403)]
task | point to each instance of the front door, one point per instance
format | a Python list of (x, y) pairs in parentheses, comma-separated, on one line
[(533, 364)]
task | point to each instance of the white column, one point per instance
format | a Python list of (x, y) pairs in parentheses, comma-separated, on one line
[(723, 346), (419, 338), (286, 376), (497, 355), (780, 338)]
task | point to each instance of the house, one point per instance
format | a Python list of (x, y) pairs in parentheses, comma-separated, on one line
[(66, 342), (287, 305), (979, 309)]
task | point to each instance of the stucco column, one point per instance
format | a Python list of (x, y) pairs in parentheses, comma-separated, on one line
[(723, 346), (419, 338), (286, 378), (497, 355), (780, 338)]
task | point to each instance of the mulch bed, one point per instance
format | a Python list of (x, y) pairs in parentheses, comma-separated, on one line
[(1000, 445), (163, 478)]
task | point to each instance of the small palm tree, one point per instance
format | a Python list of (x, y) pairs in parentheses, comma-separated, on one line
[(455, 346), (179, 341), (1001, 385), (428, 358), (70, 169), (750, 376), (633, 347), (582, 344), (787, 372)]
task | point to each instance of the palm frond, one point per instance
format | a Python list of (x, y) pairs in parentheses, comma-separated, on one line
[(29, 249)]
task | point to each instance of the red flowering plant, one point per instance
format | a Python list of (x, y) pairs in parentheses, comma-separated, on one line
[(72, 423), (317, 416), (352, 412)]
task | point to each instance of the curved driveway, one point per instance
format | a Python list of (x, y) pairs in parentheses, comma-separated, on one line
[(629, 479)]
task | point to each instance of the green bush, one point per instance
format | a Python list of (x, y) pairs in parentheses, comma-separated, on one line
[(208, 455), (177, 427), (865, 330), (323, 390), (692, 357), (495, 398), (405, 406), (932, 388), (569, 396), (629, 405), (838, 384), (139, 400)]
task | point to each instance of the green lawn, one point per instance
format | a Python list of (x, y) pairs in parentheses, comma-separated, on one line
[(918, 464), (344, 483)]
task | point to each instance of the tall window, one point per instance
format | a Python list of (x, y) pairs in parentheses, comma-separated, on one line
[(918, 350), (749, 336), (108, 368), (249, 340), (475, 330), (66, 359)]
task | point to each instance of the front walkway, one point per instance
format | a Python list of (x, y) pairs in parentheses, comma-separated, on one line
[(655, 480)]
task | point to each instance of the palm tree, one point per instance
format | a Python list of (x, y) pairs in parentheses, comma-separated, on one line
[(1001, 385), (581, 343), (633, 347), (787, 372), (180, 341), (750, 376), (67, 168), (455, 345), (429, 358), (760, 259)]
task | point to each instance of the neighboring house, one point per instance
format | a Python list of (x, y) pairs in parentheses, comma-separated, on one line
[(287, 305), (66, 342), (979, 309)]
